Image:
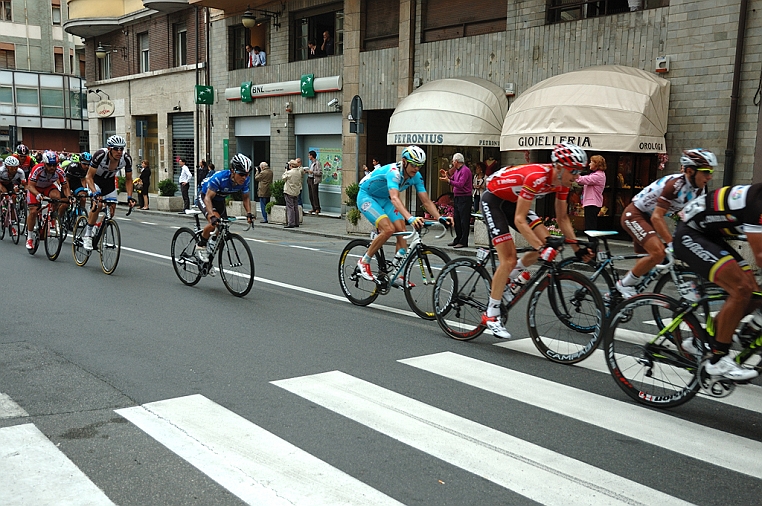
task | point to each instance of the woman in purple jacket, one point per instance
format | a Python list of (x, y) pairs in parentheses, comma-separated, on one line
[(462, 189), (592, 198)]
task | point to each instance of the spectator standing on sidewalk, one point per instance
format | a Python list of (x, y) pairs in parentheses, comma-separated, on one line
[(145, 177), (184, 180), (462, 188), (264, 178), (291, 191), (314, 177), (592, 198)]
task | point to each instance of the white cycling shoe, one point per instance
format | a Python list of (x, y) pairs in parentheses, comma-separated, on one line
[(627, 292), (87, 243), (729, 369), (495, 326)]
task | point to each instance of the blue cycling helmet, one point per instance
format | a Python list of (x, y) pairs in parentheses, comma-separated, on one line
[(85, 157), (49, 157)]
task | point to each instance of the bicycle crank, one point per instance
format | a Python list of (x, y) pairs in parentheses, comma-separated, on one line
[(716, 387)]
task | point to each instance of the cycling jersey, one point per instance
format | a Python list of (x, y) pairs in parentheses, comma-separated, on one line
[(222, 184), (9, 178), (727, 211), (670, 193), (76, 170), (25, 163), (43, 179), (525, 181), (101, 162), (389, 177)]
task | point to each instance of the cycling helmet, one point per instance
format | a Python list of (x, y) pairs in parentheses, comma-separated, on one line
[(240, 164), (22, 150), (49, 157), (11, 161), (85, 157), (698, 158), (569, 155), (414, 155), (116, 141), (74, 158)]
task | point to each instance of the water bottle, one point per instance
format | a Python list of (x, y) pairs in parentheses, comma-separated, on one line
[(689, 291), (95, 228), (751, 329), (520, 281)]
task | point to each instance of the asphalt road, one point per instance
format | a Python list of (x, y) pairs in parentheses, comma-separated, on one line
[(152, 392)]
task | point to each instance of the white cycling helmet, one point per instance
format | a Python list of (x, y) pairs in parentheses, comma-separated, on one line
[(569, 155), (698, 158), (116, 141), (11, 161), (240, 164), (414, 155)]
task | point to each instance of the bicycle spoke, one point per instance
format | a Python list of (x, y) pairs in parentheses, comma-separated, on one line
[(236, 265), (461, 295), (420, 276), (184, 258)]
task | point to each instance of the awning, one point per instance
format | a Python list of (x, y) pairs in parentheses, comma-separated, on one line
[(460, 111), (605, 108)]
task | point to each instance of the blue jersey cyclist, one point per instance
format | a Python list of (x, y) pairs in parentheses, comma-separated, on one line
[(214, 189), (379, 201)]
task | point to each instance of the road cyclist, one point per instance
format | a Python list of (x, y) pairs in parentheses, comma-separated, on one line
[(379, 201), (26, 162), (46, 180), (11, 177), (644, 218), (506, 203), (100, 180), (76, 168)]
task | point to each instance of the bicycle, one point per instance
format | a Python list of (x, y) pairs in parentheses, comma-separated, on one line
[(48, 228), (234, 258), (655, 368), (9, 217), (107, 240), (565, 313), (74, 211), (22, 210), (415, 274)]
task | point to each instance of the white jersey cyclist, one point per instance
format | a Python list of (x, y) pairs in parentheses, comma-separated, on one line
[(671, 193)]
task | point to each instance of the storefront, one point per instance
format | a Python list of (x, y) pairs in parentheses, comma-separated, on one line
[(614, 111), (252, 136), (321, 133), (457, 115)]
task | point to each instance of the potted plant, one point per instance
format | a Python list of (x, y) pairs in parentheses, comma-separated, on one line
[(355, 223), (277, 212), (121, 189), (166, 201)]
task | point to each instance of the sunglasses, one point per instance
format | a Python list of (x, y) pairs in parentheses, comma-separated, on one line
[(708, 170), (575, 172), (118, 149)]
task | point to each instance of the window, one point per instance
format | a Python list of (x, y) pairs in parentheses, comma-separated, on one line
[(104, 67), (145, 60), (570, 10), (76, 99), (58, 60), (71, 62), (381, 24), (52, 103), (181, 44), (82, 60), (7, 56), (451, 19), (6, 14), (310, 26), (56, 15), (6, 95), (26, 96), (108, 128), (238, 37)]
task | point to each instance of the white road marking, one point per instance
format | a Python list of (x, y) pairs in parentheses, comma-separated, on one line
[(9, 409)]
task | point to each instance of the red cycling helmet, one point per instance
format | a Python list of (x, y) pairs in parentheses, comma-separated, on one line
[(569, 155)]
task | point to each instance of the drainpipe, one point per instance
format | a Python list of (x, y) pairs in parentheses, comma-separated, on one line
[(197, 141), (730, 150)]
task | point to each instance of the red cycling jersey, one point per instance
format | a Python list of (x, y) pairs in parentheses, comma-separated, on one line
[(525, 181)]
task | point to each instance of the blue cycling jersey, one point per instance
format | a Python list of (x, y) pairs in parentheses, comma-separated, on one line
[(378, 183), (221, 183)]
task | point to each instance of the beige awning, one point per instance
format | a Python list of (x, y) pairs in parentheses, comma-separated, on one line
[(605, 108), (459, 111)]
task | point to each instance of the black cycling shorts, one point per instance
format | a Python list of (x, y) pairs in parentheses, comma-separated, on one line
[(217, 205), (500, 214), (706, 255)]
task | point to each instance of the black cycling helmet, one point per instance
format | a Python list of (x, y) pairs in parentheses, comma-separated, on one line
[(22, 150), (240, 164)]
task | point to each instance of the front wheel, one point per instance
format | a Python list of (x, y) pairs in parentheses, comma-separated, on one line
[(236, 265), (15, 227), (647, 359), (566, 317), (184, 256), (421, 273), (39, 235), (78, 251), (461, 295), (110, 246), (54, 238), (21, 212), (357, 289)]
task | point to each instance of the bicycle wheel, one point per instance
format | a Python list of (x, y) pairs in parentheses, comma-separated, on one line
[(40, 235), (14, 228), (566, 317), (603, 280), (184, 256), (461, 295), (236, 265), (78, 251), (357, 289), (648, 362), (110, 246), (54, 240), (665, 285), (421, 273), (21, 212), (3, 214)]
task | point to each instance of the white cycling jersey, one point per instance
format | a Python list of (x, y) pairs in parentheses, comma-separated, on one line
[(671, 193)]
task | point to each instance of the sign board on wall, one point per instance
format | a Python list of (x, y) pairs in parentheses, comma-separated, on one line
[(330, 160), (319, 85), (104, 108)]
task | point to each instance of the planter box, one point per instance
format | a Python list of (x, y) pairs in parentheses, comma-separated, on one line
[(121, 197), (277, 215), (235, 208), (168, 203), (363, 227), (481, 238)]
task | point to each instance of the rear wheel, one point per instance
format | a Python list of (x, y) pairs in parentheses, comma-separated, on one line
[(110, 246), (80, 254), (54, 238), (357, 289), (461, 295), (3, 214), (603, 280), (22, 213), (420, 275), (39, 236), (236, 265), (184, 256), (14, 228)]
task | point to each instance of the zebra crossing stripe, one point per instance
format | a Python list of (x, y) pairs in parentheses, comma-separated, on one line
[(744, 397), (9, 409), (525, 468), (252, 463), (34, 471), (686, 438)]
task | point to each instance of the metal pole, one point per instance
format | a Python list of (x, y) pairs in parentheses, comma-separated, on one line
[(357, 153)]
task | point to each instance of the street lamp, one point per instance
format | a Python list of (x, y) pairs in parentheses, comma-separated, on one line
[(104, 49), (249, 21)]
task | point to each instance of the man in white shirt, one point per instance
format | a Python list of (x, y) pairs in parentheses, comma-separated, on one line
[(260, 59), (184, 180), (250, 57)]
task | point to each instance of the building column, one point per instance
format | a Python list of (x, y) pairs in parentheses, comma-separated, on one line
[(351, 87)]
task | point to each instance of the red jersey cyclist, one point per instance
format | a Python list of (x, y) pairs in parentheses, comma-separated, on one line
[(507, 202), (26, 162), (44, 181)]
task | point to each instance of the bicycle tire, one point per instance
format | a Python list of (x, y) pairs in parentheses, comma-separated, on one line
[(665, 286), (554, 307), (184, 256), (22, 214), (358, 290), (461, 295), (651, 369), (110, 246), (421, 274), (2, 224), (605, 283), (236, 265), (40, 235), (53, 243), (15, 230), (78, 251)]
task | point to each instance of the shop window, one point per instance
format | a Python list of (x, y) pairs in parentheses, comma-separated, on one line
[(6, 13), (181, 44), (7, 58), (381, 24), (570, 10), (309, 26), (238, 37), (145, 55), (451, 19)]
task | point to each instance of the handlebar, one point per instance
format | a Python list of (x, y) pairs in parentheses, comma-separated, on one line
[(669, 260), (426, 224)]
